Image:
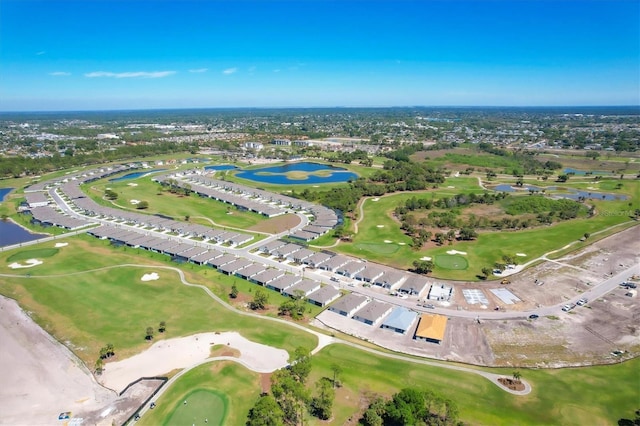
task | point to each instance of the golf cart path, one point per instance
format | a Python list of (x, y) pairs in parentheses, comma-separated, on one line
[(323, 340)]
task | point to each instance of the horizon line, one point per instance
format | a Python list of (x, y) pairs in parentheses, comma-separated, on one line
[(318, 107)]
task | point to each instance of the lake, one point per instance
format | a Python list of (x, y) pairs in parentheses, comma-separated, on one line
[(221, 167), (584, 172), (299, 173), (4, 192), (135, 175), (10, 234)]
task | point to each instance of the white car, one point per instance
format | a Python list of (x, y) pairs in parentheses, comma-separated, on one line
[(582, 302)]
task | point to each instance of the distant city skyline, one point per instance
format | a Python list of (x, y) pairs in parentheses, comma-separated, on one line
[(58, 55)]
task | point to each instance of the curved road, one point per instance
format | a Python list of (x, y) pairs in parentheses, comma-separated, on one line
[(323, 340)]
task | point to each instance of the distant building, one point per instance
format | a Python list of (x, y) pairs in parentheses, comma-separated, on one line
[(282, 142), (252, 145)]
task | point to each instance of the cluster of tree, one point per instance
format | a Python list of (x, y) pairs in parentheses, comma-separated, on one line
[(21, 166), (142, 205), (110, 194), (563, 208), (412, 407), (260, 300), (290, 399), (176, 187), (415, 203), (395, 176), (107, 351), (527, 164), (295, 306)]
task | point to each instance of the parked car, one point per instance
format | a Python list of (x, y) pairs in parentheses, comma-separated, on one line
[(582, 302), (568, 307), (534, 316)]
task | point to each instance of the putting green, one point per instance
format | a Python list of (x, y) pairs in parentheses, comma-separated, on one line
[(451, 261), (377, 248), (33, 254), (202, 405)]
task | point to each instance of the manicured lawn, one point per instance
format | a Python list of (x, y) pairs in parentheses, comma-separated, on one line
[(451, 261), (33, 254), (235, 387), (115, 306), (172, 205), (378, 226), (573, 396), (199, 407)]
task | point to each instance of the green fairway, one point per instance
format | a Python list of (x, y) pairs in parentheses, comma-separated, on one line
[(33, 254), (570, 396), (377, 248), (451, 261), (198, 408), (114, 305), (224, 391)]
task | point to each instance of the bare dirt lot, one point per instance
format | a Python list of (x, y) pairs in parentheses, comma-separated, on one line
[(277, 224), (586, 335)]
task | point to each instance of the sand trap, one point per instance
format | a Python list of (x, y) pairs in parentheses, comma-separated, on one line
[(132, 184), (388, 241), (167, 355), (457, 174), (375, 199), (450, 187), (150, 277), (425, 258), (380, 226), (134, 201), (402, 244), (61, 245), (456, 252), (316, 186), (521, 254), (27, 264)]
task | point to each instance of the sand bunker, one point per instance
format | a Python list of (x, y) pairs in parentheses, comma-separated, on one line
[(134, 201), (379, 226), (27, 264), (167, 355), (402, 244), (425, 258), (388, 241), (521, 254), (456, 252), (150, 277), (61, 245), (132, 184), (451, 187)]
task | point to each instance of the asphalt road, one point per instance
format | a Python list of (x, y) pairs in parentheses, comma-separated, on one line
[(597, 289)]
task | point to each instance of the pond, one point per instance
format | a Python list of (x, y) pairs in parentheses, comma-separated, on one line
[(12, 233), (585, 172), (220, 167), (135, 175), (509, 188), (4, 192), (589, 195), (299, 173)]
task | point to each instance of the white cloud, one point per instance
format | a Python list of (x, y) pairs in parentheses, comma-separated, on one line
[(199, 70), (229, 71), (137, 74), (59, 73)]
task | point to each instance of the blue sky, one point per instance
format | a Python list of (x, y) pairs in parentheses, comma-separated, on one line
[(132, 54)]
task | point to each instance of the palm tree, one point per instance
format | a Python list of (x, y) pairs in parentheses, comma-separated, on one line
[(149, 335), (516, 376)]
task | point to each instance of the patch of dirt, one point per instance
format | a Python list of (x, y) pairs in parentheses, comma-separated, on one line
[(515, 385), (276, 224), (222, 350), (265, 381)]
